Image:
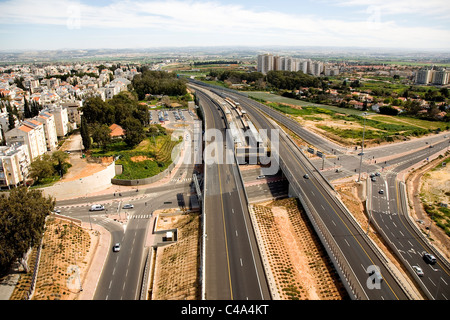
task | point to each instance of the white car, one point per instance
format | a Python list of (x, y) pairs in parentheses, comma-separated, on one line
[(97, 207), (418, 270), (128, 206), (116, 247)]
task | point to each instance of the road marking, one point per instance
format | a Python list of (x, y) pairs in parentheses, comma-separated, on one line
[(236, 233), (241, 262), (401, 233), (333, 223), (444, 281), (346, 242), (394, 224), (410, 243), (431, 281)]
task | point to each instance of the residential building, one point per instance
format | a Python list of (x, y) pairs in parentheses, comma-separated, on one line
[(424, 76), (14, 163), (265, 63), (51, 137), (30, 133), (61, 120), (441, 76)]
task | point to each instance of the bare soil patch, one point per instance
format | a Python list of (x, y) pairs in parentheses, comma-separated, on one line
[(67, 250), (141, 158), (299, 263), (177, 265)]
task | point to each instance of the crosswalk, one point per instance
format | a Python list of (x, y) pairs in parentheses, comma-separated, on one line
[(141, 216), (177, 180)]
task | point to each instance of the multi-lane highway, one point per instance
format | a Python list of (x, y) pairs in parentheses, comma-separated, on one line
[(396, 230), (233, 268)]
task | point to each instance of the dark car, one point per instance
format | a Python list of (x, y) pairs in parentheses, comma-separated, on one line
[(429, 258)]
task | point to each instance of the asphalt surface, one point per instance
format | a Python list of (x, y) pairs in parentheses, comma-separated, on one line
[(358, 253), (233, 268)]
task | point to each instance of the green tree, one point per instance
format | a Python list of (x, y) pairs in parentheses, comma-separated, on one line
[(26, 110), (42, 168), (134, 131), (60, 159), (84, 131), (11, 119), (101, 134), (22, 221)]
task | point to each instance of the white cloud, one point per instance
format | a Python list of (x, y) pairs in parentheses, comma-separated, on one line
[(225, 23)]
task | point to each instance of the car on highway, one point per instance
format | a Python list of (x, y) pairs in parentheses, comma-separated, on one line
[(260, 177), (306, 176), (57, 211), (381, 191), (418, 270), (97, 207), (128, 206), (116, 247), (373, 179), (429, 258)]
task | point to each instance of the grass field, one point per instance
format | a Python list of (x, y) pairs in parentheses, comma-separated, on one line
[(276, 98), (346, 125), (150, 157)]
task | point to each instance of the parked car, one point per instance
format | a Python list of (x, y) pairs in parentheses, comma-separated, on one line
[(128, 206), (418, 270), (429, 258), (116, 247)]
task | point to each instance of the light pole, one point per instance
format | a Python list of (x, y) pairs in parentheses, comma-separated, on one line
[(362, 146)]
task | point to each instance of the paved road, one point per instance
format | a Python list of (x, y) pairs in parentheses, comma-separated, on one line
[(357, 252), (233, 268)]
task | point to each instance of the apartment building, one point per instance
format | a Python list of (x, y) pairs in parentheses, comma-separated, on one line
[(61, 120), (265, 63), (14, 163), (30, 133), (51, 137)]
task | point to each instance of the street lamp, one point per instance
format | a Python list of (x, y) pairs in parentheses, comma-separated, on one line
[(362, 146)]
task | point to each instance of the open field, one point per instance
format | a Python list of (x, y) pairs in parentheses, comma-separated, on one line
[(298, 262), (435, 195), (177, 265), (150, 157), (66, 252), (346, 126)]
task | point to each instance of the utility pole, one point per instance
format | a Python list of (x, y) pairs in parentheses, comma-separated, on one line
[(362, 146)]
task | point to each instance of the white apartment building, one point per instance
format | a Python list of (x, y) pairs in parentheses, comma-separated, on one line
[(14, 163), (51, 137), (265, 63), (30, 133), (441, 77), (424, 76), (73, 111), (61, 120)]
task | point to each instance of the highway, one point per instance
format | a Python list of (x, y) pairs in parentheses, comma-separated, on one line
[(388, 213), (357, 252), (233, 268)]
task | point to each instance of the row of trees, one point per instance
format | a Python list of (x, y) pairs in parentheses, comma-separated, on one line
[(48, 166), (123, 109), (158, 83), (22, 222)]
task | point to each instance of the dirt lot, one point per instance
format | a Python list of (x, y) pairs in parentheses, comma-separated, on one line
[(67, 250), (298, 262), (176, 274)]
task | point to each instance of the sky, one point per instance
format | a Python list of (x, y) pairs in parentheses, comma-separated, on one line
[(80, 24)]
